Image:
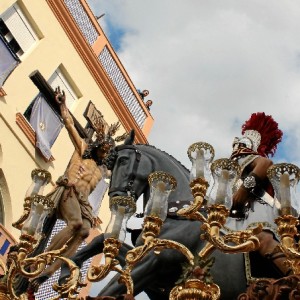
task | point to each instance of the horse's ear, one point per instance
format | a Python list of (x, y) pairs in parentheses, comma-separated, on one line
[(130, 138)]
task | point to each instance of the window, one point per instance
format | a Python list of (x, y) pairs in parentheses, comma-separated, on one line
[(16, 37), (43, 119), (58, 79), (16, 30), (11, 42), (55, 80)]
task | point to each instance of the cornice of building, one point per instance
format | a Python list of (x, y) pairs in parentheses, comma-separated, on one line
[(90, 59)]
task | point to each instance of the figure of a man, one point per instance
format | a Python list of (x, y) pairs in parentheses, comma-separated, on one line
[(84, 171), (253, 199)]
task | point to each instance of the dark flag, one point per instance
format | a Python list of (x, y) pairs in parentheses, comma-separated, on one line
[(46, 123), (8, 61)]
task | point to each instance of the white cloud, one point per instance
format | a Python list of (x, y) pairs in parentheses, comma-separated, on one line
[(209, 64)]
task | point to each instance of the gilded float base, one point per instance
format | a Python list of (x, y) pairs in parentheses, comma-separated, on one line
[(195, 289), (265, 289)]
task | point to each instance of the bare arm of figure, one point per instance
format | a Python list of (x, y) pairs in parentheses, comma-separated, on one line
[(259, 167), (79, 144)]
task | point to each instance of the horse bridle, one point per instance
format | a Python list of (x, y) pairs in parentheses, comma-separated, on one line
[(129, 187)]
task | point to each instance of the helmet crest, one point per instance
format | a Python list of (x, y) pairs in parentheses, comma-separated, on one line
[(264, 133)]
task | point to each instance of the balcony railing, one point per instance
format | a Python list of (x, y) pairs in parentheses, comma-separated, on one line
[(115, 74), (113, 69), (83, 21)]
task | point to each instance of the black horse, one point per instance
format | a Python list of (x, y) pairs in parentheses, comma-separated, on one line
[(156, 274)]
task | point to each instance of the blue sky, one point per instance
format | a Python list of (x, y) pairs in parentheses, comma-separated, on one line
[(208, 72), (209, 65), (114, 33)]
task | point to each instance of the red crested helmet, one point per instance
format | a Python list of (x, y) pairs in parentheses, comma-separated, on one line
[(262, 134)]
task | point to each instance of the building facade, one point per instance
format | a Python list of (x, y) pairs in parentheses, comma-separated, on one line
[(61, 41)]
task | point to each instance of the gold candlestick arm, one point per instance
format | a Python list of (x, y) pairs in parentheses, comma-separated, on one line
[(243, 244), (111, 250), (244, 241), (135, 255), (38, 263), (27, 206), (31, 267), (151, 229), (287, 231), (198, 188), (70, 289), (97, 273)]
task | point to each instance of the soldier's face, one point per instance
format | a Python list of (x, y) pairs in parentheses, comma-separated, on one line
[(243, 142)]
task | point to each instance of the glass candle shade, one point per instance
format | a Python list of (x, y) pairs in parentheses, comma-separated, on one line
[(284, 178), (122, 208), (224, 172), (40, 178), (201, 155), (161, 185), (40, 208)]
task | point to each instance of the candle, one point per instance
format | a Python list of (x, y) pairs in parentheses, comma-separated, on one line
[(158, 195), (199, 163), (118, 222), (32, 222), (222, 187), (285, 194)]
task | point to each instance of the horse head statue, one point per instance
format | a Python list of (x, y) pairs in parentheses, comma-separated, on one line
[(131, 165)]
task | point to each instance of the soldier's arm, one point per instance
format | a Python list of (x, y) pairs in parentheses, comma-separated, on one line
[(79, 144), (259, 169)]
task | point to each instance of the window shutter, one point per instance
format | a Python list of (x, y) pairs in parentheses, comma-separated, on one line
[(57, 79), (19, 27)]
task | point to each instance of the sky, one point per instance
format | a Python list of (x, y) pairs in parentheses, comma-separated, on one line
[(209, 65)]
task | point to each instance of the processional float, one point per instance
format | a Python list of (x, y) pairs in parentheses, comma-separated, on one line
[(284, 178)]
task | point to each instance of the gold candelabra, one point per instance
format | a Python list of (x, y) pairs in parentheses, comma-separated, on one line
[(284, 178), (122, 208), (40, 178), (224, 172), (21, 261), (161, 185), (31, 267)]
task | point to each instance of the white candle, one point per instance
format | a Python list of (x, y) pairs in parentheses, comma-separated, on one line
[(31, 224), (118, 222), (158, 197), (285, 194), (222, 187), (199, 163)]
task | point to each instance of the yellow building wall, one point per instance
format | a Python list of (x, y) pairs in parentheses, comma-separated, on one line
[(54, 49)]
